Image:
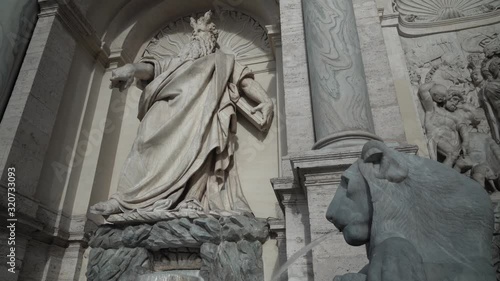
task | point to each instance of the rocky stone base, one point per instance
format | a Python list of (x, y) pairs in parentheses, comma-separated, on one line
[(496, 239), (228, 248)]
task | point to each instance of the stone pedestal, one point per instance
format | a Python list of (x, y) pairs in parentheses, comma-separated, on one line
[(305, 199), (167, 277), (225, 248)]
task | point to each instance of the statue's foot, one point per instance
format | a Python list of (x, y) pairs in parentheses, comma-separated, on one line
[(190, 205), (106, 208)]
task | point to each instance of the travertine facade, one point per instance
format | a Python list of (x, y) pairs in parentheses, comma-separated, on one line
[(339, 74)]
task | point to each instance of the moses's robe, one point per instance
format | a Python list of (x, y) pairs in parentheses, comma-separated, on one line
[(186, 138)]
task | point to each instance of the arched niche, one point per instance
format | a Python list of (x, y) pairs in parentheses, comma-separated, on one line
[(125, 24), (257, 154), (239, 34)]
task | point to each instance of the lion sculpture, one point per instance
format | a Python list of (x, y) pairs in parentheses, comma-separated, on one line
[(419, 220)]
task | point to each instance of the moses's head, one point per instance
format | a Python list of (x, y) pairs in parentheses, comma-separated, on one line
[(203, 40)]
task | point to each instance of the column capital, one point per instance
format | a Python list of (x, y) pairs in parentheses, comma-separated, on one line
[(274, 34)]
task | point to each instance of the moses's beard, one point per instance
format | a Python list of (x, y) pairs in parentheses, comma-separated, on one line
[(199, 46)]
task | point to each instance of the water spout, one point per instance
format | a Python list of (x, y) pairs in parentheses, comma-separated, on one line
[(299, 254)]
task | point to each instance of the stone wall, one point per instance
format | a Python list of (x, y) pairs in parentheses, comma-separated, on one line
[(17, 21)]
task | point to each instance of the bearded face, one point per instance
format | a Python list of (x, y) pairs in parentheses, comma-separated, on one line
[(452, 103), (206, 39), (203, 40)]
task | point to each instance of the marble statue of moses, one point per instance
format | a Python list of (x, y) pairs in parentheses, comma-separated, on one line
[(182, 157)]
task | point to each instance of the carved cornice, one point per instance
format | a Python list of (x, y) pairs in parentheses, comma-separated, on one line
[(278, 227), (423, 17), (118, 57), (326, 167), (78, 26), (439, 10), (410, 29), (321, 179), (288, 191), (42, 224), (274, 34), (334, 155)]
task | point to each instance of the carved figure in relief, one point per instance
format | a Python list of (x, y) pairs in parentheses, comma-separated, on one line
[(447, 128), (452, 71), (410, 212), (475, 81), (489, 96), (182, 157), (483, 155)]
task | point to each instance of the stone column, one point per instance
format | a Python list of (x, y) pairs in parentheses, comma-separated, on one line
[(339, 94)]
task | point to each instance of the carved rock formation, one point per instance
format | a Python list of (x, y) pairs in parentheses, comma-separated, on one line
[(223, 249)]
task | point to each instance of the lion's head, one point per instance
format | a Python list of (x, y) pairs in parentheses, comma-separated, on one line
[(387, 194)]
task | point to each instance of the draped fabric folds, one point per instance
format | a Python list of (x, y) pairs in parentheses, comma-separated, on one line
[(185, 142)]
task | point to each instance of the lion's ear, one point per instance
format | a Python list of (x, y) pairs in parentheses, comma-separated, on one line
[(193, 22), (388, 164)]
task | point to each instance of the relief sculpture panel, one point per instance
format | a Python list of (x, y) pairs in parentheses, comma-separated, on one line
[(456, 86)]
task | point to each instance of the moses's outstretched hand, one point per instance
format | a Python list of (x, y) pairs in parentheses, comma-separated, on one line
[(123, 77)]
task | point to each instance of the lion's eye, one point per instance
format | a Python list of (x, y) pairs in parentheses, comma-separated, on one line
[(344, 182)]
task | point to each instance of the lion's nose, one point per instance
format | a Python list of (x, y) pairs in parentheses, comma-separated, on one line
[(331, 211)]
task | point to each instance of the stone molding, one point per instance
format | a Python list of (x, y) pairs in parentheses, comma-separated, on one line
[(277, 227), (315, 159), (317, 168), (274, 34), (78, 26), (61, 227), (288, 192), (419, 28), (437, 10), (320, 179), (49, 226), (411, 29), (345, 138)]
